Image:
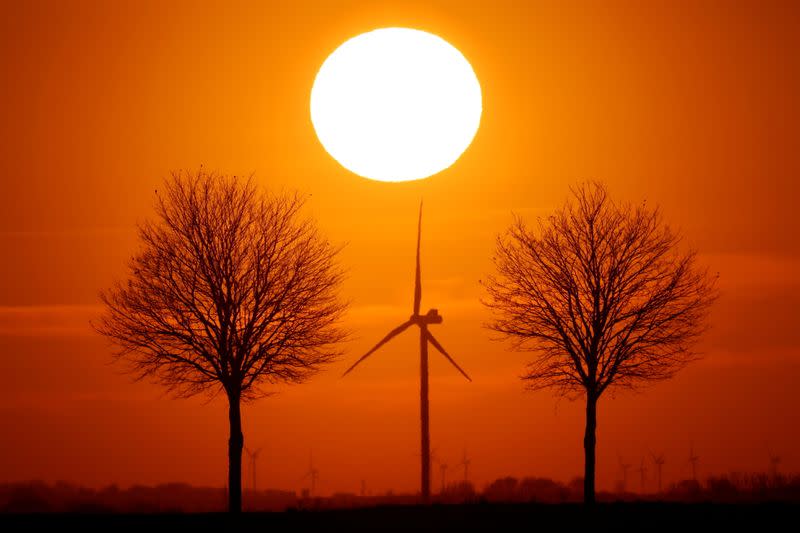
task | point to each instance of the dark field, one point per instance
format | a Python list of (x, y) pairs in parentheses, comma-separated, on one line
[(477, 517)]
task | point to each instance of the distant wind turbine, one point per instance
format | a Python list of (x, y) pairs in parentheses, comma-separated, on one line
[(253, 455), (624, 467), (774, 461), (659, 461), (425, 337), (443, 472), (465, 462), (693, 459), (312, 474), (642, 474)]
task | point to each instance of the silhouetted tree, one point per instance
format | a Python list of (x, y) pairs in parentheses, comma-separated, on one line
[(603, 296), (232, 289)]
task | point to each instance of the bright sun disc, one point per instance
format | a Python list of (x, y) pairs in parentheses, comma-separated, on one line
[(396, 104)]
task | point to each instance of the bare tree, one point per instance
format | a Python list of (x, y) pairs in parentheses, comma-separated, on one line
[(603, 296), (231, 290)]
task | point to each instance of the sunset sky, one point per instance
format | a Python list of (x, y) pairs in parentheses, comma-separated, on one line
[(691, 106)]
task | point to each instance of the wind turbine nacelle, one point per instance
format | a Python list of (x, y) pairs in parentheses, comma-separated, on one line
[(431, 317)]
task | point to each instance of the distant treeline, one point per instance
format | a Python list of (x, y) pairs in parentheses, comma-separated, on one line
[(37, 496), (730, 488)]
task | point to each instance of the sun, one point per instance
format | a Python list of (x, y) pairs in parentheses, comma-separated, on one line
[(396, 104)]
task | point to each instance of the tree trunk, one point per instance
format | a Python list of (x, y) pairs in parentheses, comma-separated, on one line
[(425, 445), (235, 445), (589, 443)]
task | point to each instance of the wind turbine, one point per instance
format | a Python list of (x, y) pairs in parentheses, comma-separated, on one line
[(693, 459), (465, 462), (659, 462), (774, 461), (253, 455), (313, 474), (425, 337), (642, 474), (624, 468), (443, 472)]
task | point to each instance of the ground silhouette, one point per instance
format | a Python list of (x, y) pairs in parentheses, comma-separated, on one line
[(62, 497)]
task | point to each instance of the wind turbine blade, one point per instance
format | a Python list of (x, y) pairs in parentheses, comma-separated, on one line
[(395, 332), (438, 346), (417, 281)]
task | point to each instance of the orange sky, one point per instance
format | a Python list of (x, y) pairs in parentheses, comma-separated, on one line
[(690, 105)]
